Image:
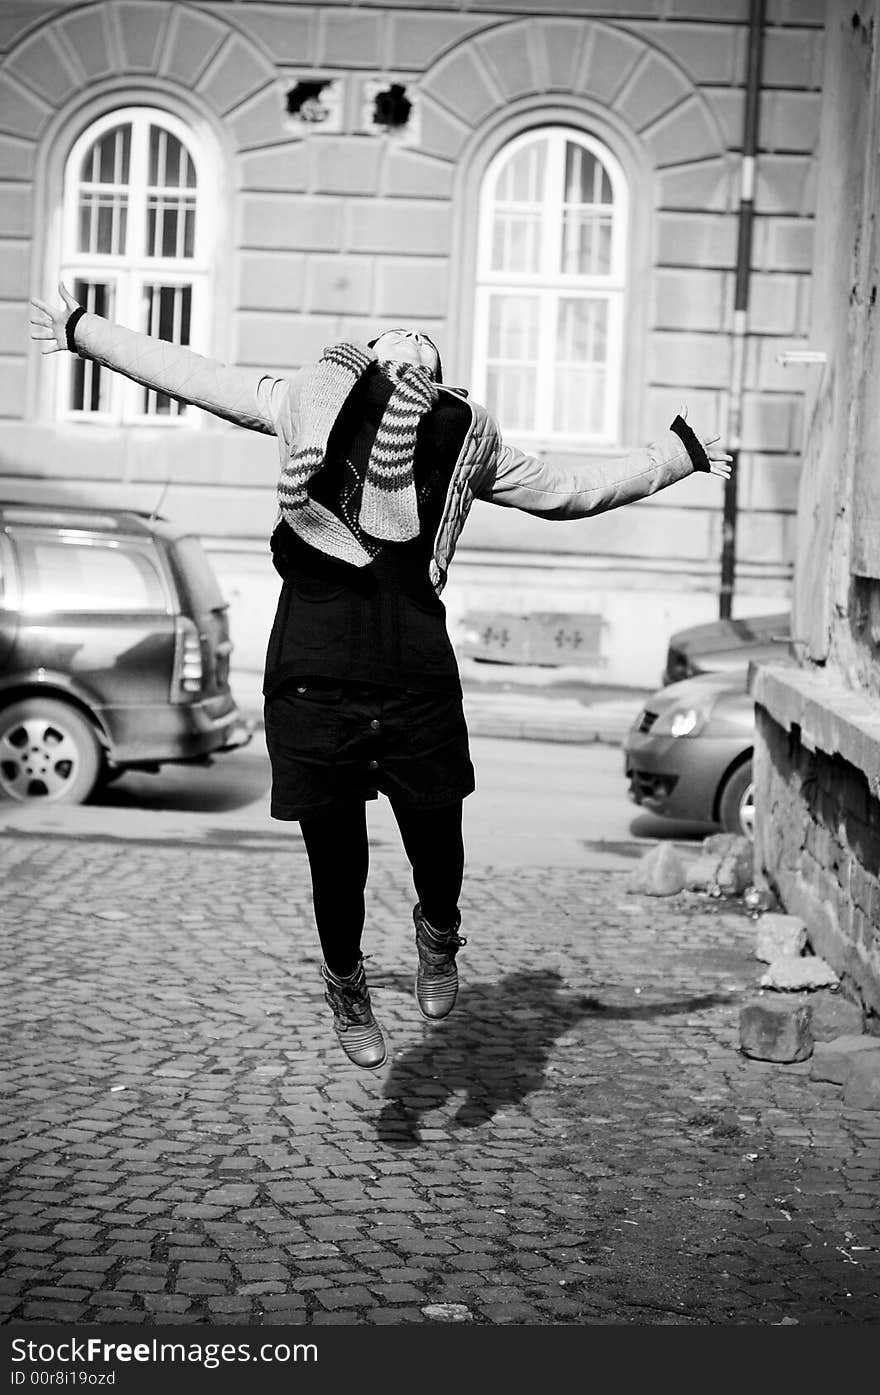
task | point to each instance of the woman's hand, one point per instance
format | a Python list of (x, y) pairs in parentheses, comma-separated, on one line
[(51, 324), (720, 463)]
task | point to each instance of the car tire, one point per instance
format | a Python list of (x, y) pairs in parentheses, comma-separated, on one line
[(49, 753), (736, 805)]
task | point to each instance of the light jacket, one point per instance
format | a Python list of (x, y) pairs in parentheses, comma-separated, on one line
[(486, 468)]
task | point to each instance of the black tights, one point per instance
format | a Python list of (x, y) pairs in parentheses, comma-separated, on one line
[(339, 859)]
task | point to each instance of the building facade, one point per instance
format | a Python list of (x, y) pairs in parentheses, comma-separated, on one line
[(552, 190), (818, 748)]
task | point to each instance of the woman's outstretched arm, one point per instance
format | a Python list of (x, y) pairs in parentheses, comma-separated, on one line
[(238, 395)]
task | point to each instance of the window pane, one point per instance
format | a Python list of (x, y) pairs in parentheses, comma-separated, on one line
[(586, 243), (170, 164), (167, 315), (89, 382), (513, 327), (586, 214), (107, 161), (76, 576), (512, 359), (581, 353), (516, 242), (516, 223)]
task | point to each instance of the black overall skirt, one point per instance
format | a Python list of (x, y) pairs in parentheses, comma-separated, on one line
[(332, 743)]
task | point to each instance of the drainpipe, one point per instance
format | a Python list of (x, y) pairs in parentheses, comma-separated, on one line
[(733, 440)]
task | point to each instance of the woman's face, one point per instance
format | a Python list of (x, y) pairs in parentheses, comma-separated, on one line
[(407, 346)]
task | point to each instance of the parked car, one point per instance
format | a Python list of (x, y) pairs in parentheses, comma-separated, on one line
[(114, 650), (688, 754), (727, 646)]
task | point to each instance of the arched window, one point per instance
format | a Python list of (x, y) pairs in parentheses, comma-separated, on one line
[(550, 287), (136, 248)]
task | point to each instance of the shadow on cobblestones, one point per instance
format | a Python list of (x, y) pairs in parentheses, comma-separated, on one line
[(496, 1048)]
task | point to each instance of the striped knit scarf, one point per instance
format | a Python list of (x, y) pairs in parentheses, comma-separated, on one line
[(388, 506)]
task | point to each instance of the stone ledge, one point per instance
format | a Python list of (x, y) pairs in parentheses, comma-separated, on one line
[(831, 717)]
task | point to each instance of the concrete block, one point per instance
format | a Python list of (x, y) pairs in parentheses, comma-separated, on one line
[(348, 165), (792, 973), (688, 299), (774, 1031), (413, 286), (17, 203), (791, 58), (17, 158), (140, 27), (196, 38), (343, 35), (415, 40), (790, 120), (775, 303), (238, 72), (835, 1016), (461, 83), (709, 53), (38, 62), (771, 422), (288, 34), (657, 88), (271, 280), (443, 135), (261, 120), (12, 382), (659, 873), (563, 44), (408, 172), (785, 184), (704, 240), (282, 341), (735, 871), (701, 359), (780, 936), (510, 56), (707, 186), (862, 1087), (22, 114), (610, 58), (686, 133), (783, 244), (339, 285), (835, 1060), (283, 168), (416, 227), (290, 223), (702, 874), (86, 33)]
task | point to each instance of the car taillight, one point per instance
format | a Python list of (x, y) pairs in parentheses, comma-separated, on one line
[(188, 672)]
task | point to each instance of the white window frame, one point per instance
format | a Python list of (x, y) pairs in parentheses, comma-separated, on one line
[(549, 284), (128, 274)]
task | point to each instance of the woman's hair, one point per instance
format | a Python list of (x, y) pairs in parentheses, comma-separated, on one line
[(438, 375)]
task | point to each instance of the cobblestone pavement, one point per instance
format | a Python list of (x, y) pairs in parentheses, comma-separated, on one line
[(581, 1142)]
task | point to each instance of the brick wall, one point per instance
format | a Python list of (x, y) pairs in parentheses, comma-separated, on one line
[(336, 232), (818, 844)]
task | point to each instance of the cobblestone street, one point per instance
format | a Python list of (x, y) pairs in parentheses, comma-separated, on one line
[(581, 1142)]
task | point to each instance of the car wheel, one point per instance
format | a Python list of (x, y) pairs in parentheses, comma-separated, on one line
[(48, 752), (736, 806)]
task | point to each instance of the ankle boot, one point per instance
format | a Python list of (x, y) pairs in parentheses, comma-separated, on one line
[(360, 1035), (437, 977)]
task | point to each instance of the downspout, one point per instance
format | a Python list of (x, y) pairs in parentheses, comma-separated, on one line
[(733, 441)]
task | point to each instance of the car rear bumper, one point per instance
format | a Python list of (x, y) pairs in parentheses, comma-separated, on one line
[(159, 733), (678, 776)]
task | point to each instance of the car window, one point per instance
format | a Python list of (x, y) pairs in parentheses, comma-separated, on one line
[(197, 574), (80, 575)]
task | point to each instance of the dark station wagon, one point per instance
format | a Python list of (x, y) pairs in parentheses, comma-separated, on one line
[(114, 650)]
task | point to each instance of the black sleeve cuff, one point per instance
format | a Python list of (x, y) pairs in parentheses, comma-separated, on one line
[(73, 320), (692, 444)]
